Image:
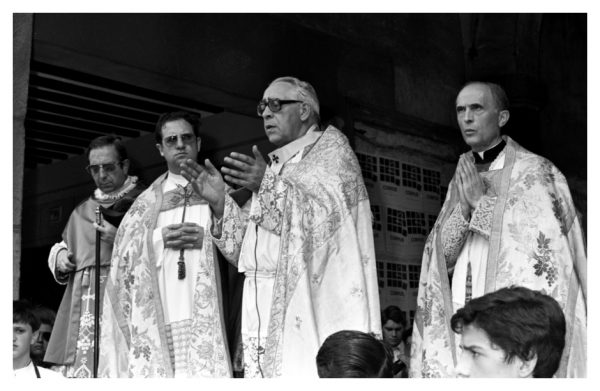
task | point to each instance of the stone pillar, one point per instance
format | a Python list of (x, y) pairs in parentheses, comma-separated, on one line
[(22, 37)]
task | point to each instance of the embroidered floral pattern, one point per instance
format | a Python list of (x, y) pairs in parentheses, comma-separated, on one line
[(536, 249), (132, 330), (454, 234), (543, 256), (559, 213), (481, 219)]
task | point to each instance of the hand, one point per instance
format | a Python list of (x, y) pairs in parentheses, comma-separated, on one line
[(248, 171), (63, 262), (107, 231), (207, 182), (184, 235), (470, 185)]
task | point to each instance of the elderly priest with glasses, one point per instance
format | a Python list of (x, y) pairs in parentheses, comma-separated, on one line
[(306, 246), (72, 261)]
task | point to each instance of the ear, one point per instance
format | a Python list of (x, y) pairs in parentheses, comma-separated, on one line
[(305, 111), (34, 337), (526, 368), (503, 117), (160, 149), (125, 166)]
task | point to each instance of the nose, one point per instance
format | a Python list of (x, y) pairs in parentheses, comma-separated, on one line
[(463, 366), (468, 118), (180, 143), (267, 113)]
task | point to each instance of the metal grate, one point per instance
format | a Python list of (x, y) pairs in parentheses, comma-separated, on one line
[(66, 109)]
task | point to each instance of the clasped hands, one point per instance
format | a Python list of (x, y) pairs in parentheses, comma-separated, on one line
[(183, 235), (469, 186)]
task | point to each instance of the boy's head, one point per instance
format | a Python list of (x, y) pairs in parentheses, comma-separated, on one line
[(350, 353), (25, 329), (512, 332)]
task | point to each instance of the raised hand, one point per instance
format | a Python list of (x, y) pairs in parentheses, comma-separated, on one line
[(207, 182), (247, 171), (183, 235), (469, 183)]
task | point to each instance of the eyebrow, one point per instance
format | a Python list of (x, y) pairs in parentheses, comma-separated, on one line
[(471, 348)]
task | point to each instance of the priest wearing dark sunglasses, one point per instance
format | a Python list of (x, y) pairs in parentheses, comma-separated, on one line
[(162, 314), (306, 246), (72, 261)]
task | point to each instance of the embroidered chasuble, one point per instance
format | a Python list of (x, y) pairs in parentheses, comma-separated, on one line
[(156, 324), (72, 339), (524, 231), (307, 251)]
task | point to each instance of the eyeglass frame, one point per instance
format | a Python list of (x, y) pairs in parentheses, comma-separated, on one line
[(89, 169), (267, 103), (177, 137)]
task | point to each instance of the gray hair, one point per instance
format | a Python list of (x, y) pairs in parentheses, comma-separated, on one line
[(305, 91)]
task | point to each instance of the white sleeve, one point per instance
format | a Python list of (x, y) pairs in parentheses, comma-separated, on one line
[(58, 276)]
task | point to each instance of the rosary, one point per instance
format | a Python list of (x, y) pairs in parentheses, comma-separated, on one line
[(181, 262)]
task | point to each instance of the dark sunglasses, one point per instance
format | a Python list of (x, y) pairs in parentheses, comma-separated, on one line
[(273, 104), (94, 169), (45, 336), (186, 138)]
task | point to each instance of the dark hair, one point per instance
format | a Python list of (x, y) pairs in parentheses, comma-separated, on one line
[(394, 314), (23, 313), (522, 322), (190, 118), (105, 141), (45, 314), (498, 93), (350, 353), (406, 334)]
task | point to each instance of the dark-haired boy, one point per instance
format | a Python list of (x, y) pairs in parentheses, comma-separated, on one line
[(512, 332), (25, 333)]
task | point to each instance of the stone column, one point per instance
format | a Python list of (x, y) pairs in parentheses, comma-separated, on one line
[(22, 37)]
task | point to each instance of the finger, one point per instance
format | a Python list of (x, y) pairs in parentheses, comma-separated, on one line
[(99, 228), (237, 163), (174, 226), (191, 168), (241, 157), (189, 224), (210, 168), (236, 181), (257, 154), (232, 172)]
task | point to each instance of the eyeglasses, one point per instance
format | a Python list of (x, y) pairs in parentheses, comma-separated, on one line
[(186, 138), (45, 335), (94, 169), (273, 104)]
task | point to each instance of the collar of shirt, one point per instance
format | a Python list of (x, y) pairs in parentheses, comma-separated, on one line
[(489, 155), (173, 180), (281, 155)]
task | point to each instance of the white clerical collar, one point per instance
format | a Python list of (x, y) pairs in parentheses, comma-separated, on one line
[(127, 186), (176, 179), (281, 155)]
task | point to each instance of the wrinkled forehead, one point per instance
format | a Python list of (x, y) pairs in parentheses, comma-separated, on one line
[(281, 90), (177, 127)]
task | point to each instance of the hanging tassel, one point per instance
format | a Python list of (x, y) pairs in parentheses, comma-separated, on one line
[(181, 266)]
